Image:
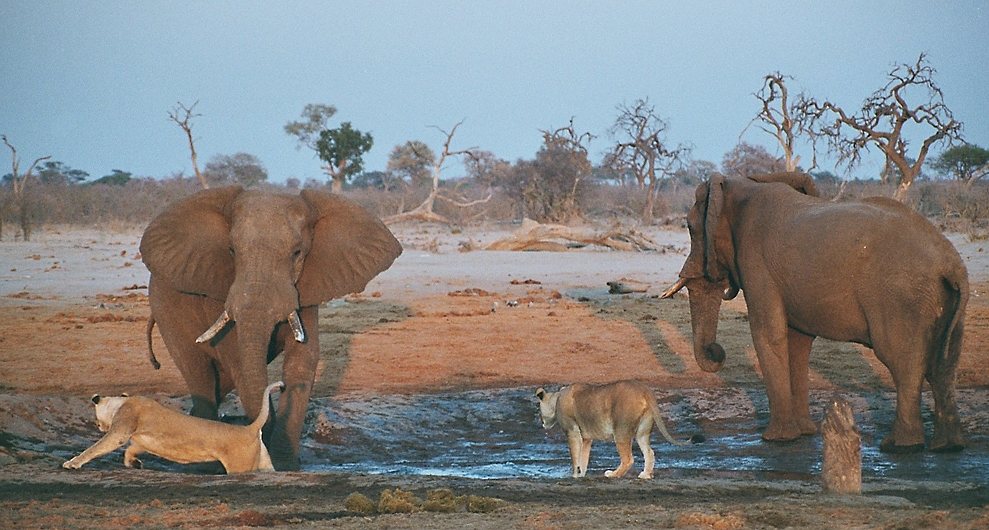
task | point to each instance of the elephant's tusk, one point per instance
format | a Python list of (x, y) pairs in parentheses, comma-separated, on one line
[(214, 329), (674, 289), (297, 330), (730, 293)]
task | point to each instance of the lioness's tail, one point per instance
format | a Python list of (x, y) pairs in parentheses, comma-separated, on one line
[(657, 418), (151, 349), (266, 406)]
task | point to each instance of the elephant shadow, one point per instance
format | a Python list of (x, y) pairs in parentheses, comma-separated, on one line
[(842, 365), (339, 321)]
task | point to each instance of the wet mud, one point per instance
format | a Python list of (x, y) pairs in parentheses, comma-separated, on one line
[(496, 434)]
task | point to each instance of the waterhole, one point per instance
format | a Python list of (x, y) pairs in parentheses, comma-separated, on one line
[(488, 434)]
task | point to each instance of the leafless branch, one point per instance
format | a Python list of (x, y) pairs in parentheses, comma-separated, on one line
[(882, 120), (183, 116)]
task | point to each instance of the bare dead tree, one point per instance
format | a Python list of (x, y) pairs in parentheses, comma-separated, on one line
[(425, 210), (18, 185), (183, 116), (643, 151), (781, 119), (883, 118)]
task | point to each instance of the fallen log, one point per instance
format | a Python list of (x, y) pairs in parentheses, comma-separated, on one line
[(553, 237)]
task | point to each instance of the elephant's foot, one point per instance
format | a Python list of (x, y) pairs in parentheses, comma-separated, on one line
[(947, 440), (807, 426), (781, 432), (285, 460), (889, 445)]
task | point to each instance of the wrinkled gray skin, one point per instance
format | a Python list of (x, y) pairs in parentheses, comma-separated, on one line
[(871, 272), (260, 257)]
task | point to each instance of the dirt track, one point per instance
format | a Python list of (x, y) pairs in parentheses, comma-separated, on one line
[(74, 314)]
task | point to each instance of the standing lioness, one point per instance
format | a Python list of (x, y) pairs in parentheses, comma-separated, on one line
[(623, 410), (153, 428)]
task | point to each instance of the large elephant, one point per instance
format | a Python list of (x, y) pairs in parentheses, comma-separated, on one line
[(237, 277), (870, 271)]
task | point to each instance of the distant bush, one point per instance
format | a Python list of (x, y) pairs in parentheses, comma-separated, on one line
[(138, 200)]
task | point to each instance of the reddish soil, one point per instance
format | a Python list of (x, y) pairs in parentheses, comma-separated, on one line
[(438, 334)]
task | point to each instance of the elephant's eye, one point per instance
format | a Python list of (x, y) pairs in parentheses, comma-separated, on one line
[(231, 249), (297, 253)]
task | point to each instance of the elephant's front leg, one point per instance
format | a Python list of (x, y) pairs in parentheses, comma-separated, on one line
[(299, 375), (769, 335), (799, 349)]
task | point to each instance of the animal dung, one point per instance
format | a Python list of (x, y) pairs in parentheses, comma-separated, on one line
[(441, 500)]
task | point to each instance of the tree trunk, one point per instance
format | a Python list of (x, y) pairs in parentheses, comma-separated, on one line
[(24, 215), (902, 190), (841, 469)]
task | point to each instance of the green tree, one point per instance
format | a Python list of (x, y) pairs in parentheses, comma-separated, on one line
[(55, 172), (342, 149), (240, 168), (115, 178), (315, 120), (333, 147), (967, 163)]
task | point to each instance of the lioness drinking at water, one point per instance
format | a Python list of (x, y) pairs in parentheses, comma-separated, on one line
[(623, 410), (153, 428)]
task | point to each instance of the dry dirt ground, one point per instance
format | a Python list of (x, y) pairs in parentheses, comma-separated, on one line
[(73, 311)]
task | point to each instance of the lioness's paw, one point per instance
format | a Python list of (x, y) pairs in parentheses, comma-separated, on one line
[(645, 475), (69, 464), (610, 473)]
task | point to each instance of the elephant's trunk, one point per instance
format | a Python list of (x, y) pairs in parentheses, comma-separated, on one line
[(705, 304)]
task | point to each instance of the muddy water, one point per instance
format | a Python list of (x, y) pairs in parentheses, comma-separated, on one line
[(496, 434)]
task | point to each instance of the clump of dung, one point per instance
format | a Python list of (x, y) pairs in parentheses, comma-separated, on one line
[(359, 503), (441, 500), (398, 501)]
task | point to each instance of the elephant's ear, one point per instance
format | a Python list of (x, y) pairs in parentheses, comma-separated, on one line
[(693, 267), (712, 220), (188, 244), (801, 182), (350, 246)]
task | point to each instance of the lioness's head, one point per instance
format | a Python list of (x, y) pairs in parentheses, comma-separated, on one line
[(106, 408), (547, 407)]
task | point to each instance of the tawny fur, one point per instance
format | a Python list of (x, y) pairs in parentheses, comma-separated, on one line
[(622, 411), (150, 427)]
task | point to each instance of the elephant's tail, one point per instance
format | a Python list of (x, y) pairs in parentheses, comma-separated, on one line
[(942, 366), (262, 418), (151, 349)]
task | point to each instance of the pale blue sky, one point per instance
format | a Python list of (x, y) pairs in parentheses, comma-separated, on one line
[(91, 82)]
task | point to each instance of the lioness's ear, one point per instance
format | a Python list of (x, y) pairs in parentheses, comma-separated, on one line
[(95, 399), (540, 393)]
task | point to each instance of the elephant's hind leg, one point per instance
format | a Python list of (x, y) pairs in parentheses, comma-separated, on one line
[(907, 435), (948, 435)]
